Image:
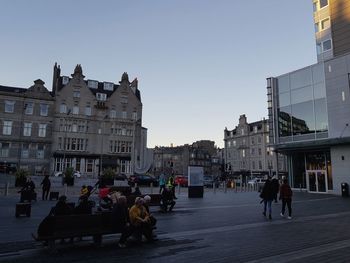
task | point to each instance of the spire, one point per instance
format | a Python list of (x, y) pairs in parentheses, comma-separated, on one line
[(125, 77), (78, 71)]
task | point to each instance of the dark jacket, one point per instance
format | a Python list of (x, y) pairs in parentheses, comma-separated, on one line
[(286, 192), (46, 183), (61, 209), (267, 192), (275, 185)]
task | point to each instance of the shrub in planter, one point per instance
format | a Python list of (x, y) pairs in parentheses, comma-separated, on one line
[(21, 177), (107, 177), (68, 177)]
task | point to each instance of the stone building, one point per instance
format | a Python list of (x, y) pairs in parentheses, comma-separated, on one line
[(26, 125), (176, 160), (248, 151), (84, 124)]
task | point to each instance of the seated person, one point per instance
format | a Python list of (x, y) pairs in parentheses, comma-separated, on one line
[(27, 191), (105, 200), (137, 191), (61, 207), (167, 200), (84, 192), (84, 207), (153, 220), (139, 221)]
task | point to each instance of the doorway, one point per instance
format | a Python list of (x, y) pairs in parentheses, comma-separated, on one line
[(316, 181)]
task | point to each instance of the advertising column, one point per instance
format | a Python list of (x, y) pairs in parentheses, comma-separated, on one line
[(195, 181)]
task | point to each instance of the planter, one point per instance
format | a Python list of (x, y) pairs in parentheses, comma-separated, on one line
[(68, 180), (20, 181)]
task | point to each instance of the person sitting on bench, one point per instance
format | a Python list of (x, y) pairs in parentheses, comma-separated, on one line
[(61, 208), (27, 191)]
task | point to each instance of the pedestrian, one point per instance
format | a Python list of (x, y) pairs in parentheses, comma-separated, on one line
[(267, 194), (286, 194), (276, 187), (137, 191), (171, 185), (28, 191), (46, 185), (161, 182), (61, 208)]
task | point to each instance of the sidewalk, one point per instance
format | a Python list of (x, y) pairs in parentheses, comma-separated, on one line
[(221, 227)]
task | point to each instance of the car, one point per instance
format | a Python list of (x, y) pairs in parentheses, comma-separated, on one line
[(181, 180), (142, 179), (76, 174), (209, 180), (120, 177)]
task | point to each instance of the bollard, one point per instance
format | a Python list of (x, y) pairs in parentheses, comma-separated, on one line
[(6, 189), (151, 188)]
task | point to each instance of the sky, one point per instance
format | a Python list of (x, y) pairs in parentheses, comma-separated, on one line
[(200, 63)]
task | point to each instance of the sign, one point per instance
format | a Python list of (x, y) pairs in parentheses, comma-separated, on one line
[(195, 176)]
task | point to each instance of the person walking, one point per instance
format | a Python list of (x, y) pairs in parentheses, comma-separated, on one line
[(276, 187), (171, 185), (46, 185), (267, 194), (286, 194), (161, 182)]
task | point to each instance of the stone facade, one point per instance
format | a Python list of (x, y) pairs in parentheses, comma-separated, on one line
[(90, 125), (248, 151)]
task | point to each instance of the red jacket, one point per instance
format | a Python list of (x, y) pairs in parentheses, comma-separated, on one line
[(285, 192)]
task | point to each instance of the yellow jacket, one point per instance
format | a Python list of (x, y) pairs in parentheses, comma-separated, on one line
[(137, 214)]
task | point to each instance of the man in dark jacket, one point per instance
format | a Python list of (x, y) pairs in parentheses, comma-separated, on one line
[(275, 186), (46, 185), (286, 197), (267, 194)]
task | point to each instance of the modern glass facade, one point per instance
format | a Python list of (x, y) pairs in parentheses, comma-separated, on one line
[(301, 105)]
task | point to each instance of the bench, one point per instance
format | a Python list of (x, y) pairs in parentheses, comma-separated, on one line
[(54, 195), (70, 226), (23, 209)]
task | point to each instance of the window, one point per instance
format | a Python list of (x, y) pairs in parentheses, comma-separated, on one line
[(88, 111), (29, 108), (260, 165), (242, 131), (326, 45), (9, 106), (75, 127), (40, 151), (243, 153), (234, 143), (259, 139), (325, 23), (108, 86), (27, 130), (124, 115), (113, 114), (92, 84), (44, 109), (323, 3), (76, 94), (42, 130), (4, 149), (267, 139), (315, 6), (255, 129), (76, 109), (65, 80), (63, 108), (259, 151), (252, 141), (134, 115), (89, 165), (317, 27), (124, 99), (7, 128), (101, 96), (25, 150)]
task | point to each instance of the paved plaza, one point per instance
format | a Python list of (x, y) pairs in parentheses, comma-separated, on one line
[(221, 227)]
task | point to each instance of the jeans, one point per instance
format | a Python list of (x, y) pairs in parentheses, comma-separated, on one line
[(289, 205), (267, 203)]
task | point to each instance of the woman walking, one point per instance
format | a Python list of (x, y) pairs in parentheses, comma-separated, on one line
[(267, 194), (46, 185), (286, 194)]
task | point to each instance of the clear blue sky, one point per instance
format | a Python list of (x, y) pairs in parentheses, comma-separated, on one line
[(200, 63)]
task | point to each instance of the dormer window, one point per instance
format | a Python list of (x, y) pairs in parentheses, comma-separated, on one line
[(108, 86), (93, 84), (101, 96), (65, 80)]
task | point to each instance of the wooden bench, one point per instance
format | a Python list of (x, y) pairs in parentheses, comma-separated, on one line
[(23, 209), (69, 226), (54, 196)]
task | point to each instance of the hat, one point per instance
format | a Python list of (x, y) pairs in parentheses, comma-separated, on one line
[(147, 198)]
